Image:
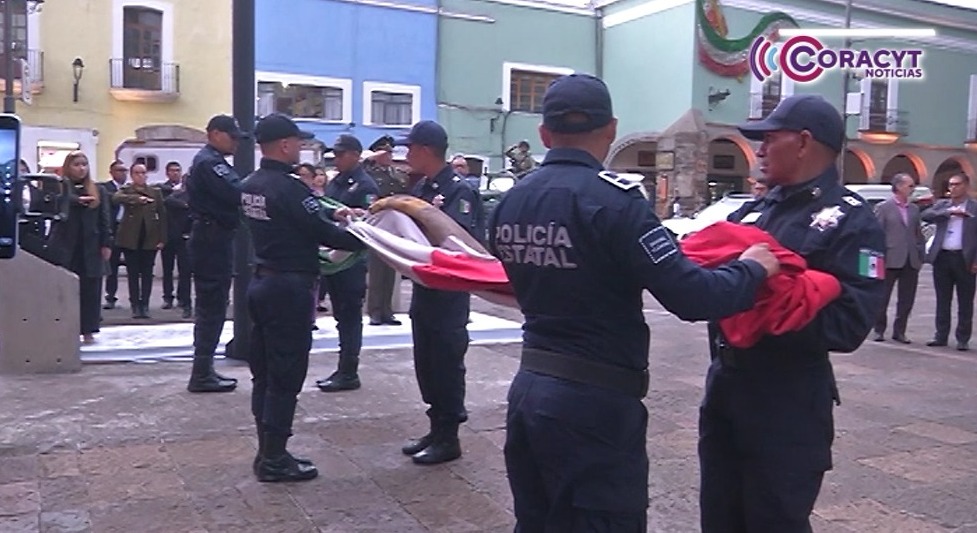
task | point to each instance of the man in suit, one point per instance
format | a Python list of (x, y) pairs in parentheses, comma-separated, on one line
[(904, 244), (954, 258), (119, 174), (178, 232)]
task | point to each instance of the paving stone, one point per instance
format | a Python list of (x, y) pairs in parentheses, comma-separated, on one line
[(159, 515), (19, 498), (60, 464), (18, 468), (21, 523), (869, 516), (68, 521), (63, 493), (942, 432)]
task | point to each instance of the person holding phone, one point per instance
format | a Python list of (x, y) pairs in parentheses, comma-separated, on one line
[(142, 232), (82, 242)]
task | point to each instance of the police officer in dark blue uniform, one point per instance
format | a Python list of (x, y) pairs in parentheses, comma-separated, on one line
[(439, 319), (352, 187), (214, 197), (579, 246), (287, 226), (766, 422)]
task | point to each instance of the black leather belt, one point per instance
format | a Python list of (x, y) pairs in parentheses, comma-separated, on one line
[(738, 358), (266, 271), (620, 379)]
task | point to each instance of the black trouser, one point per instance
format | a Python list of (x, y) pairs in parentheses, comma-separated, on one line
[(211, 259), (175, 252), (439, 321), (576, 457), (381, 286), (765, 434), (907, 279), (112, 279), (90, 306), (139, 273), (280, 309), (347, 289), (949, 272)]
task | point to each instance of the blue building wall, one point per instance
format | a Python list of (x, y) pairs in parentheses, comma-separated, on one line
[(336, 39)]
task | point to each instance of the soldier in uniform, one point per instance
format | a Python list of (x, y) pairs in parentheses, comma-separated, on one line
[(352, 187), (766, 423), (287, 226), (575, 447), (382, 279), (439, 319), (214, 198), (522, 160)]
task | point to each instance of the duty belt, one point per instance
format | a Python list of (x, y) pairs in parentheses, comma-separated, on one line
[(616, 378)]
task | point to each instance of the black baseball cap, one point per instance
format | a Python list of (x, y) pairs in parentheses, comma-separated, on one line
[(276, 127), (577, 103), (425, 133), (227, 124), (809, 112), (385, 143), (347, 143)]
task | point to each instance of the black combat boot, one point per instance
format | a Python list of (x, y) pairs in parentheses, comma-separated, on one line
[(345, 378), (444, 446), (418, 444), (261, 451), (204, 379), (276, 464)]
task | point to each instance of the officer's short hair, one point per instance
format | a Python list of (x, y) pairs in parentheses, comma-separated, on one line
[(114, 163), (963, 176), (172, 164), (897, 180)]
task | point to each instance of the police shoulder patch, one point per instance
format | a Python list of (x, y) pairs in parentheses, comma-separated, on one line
[(222, 169), (658, 244), (311, 205), (852, 201), (618, 181)]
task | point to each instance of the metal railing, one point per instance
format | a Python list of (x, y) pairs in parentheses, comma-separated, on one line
[(890, 121), (144, 74), (35, 62)]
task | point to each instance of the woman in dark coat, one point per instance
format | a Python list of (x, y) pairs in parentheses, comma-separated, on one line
[(83, 242), (141, 233)]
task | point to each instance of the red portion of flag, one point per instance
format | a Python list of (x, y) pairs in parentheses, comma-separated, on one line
[(458, 272), (786, 302)]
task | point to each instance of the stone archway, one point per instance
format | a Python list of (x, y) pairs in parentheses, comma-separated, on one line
[(729, 166), (948, 168), (859, 167), (906, 162)]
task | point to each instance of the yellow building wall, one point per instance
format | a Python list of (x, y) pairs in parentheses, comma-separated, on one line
[(83, 28)]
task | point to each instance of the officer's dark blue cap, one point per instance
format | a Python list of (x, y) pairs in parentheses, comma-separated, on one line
[(425, 133), (347, 143), (227, 124), (809, 112), (577, 103), (276, 127)]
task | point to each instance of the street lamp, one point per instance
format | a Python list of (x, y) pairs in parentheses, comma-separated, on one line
[(77, 68), (9, 101)]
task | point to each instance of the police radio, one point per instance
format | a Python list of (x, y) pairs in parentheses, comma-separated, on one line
[(10, 190)]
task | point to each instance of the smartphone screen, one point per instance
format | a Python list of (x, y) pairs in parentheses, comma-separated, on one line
[(9, 190)]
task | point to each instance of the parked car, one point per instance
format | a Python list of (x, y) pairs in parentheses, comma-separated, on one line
[(874, 193), (714, 212)]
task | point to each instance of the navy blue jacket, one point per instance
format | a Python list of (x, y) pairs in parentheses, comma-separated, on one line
[(836, 231), (580, 245), (214, 189), (355, 188), (445, 309), (287, 222)]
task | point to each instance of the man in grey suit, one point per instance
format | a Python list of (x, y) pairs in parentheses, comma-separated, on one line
[(954, 258), (903, 254)]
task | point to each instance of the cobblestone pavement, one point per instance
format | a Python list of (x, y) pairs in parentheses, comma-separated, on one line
[(124, 448)]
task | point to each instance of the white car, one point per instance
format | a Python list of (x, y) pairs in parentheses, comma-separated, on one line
[(715, 212)]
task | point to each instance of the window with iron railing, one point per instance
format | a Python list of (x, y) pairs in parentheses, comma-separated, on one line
[(142, 48), (771, 94), (18, 21)]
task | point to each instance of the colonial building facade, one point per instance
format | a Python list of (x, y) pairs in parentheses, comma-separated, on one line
[(96, 71)]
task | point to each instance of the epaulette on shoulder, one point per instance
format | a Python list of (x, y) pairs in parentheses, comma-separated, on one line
[(620, 181)]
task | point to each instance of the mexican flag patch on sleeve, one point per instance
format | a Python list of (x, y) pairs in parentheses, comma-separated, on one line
[(871, 264)]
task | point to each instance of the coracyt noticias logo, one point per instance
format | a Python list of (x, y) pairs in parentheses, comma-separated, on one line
[(804, 57)]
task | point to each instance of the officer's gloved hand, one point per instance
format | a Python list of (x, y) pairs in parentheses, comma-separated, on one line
[(761, 254)]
